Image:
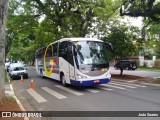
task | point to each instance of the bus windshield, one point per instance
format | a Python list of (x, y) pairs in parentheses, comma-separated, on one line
[(91, 53)]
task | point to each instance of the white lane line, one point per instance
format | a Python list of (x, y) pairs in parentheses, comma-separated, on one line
[(91, 90), (113, 86), (9, 92), (132, 81), (36, 96), (106, 85), (103, 88), (119, 84), (17, 100), (130, 84), (54, 93), (69, 90)]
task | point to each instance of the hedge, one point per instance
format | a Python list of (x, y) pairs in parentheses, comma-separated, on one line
[(157, 64)]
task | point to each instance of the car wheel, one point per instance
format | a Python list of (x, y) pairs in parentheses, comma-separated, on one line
[(12, 77), (63, 80), (27, 77)]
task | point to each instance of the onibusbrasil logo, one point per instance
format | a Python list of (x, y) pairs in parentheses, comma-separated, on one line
[(48, 72)]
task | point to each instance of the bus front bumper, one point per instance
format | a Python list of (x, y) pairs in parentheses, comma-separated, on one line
[(89, 82)]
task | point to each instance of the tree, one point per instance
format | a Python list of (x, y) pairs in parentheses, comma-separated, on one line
[(122, 41), (144, 8), (72, 18), (3, 12)]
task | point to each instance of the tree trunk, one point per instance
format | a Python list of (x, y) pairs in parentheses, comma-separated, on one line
[(3, 12), (33, 61), (121, 67)]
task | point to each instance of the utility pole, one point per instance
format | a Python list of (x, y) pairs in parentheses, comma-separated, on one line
[(3, 14)]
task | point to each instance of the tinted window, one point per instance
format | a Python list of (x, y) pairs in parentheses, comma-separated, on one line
[(49, 51), (18, 69), (55, 47), (70, 54), (40, 53), (63, 50)]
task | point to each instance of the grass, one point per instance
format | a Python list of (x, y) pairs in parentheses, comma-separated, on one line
[(6, 78), (150, 69), (7, 100)]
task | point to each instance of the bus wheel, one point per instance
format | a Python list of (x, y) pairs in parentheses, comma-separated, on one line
[(63, 79)]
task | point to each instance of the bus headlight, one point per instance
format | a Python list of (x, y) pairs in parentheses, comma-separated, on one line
[(108, 75), (106, 69), (81, 76)]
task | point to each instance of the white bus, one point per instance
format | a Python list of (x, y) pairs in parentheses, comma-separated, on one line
[(75, 61)]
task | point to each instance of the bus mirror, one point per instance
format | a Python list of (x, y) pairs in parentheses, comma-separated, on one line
[(74, 50), (109, 46)]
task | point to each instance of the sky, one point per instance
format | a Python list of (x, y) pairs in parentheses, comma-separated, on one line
[(135, 21)]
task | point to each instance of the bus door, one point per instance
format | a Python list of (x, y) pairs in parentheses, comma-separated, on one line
[(66, 64), (71, 61)]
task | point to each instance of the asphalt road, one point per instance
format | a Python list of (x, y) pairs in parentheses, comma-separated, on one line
[(50, 95), (142, 73)]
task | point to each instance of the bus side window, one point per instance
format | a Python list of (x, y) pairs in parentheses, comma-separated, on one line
[(49, 51), (55, 46), (70, 54), (63, 50), (42, 52)]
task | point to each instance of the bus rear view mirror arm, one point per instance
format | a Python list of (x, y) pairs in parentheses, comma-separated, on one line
[(109, 46), (74, 50)]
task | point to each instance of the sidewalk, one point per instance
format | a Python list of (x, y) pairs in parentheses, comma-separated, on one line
[(151, 81), (8, 91), (10, 102)]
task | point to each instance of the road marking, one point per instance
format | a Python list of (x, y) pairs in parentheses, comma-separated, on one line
[(113, 86), (69, 90), (91, 90), (130, 84), (119, 84), (54, 93), (106, 85), (103, 88), (9, 92), (132, 81), (36, 96)]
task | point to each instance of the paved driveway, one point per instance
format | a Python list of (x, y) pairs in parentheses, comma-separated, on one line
[(143, 73)]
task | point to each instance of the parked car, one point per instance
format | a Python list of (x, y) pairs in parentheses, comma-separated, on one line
[(12, 65), (6, 65), (17, 71), (127, 64)]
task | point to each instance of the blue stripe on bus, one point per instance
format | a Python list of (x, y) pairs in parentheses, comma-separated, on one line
[(89, 82)]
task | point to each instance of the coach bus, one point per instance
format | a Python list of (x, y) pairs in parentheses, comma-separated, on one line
[(75, 61)]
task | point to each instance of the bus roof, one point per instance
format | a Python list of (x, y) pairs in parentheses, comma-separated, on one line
[(74, 39), (78, 39)]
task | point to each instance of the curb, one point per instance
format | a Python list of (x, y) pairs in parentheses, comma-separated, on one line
[(11, 93), (132, 81), (119, 80), (151, 84)]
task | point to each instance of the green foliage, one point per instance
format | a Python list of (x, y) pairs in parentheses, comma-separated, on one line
[(50, 20), (122, 40), (157, 64), (145, 8)]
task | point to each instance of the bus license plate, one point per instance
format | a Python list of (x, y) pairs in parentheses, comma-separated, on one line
[(96, 81)]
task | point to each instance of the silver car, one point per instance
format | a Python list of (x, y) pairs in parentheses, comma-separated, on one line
[(17, 72)]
